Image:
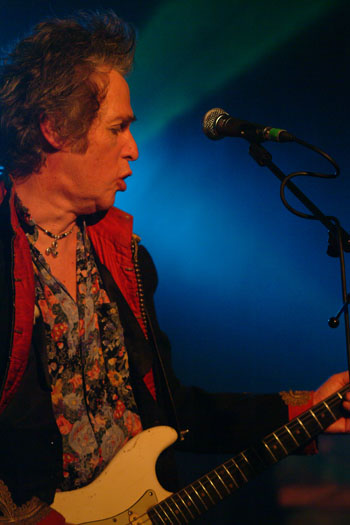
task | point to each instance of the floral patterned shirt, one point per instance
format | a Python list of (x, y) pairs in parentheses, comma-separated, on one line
[(92, 398)]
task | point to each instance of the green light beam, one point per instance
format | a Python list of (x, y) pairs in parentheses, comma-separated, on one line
[(190, 48)]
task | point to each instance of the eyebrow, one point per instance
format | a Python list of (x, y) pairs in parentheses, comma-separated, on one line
[(121, 118)]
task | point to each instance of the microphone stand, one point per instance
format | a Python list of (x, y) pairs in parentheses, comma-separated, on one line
[(338, 242)]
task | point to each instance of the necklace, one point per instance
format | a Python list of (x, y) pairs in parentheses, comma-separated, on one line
[(52, 250)]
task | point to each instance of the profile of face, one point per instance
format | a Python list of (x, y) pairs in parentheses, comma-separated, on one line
[(91, 179)]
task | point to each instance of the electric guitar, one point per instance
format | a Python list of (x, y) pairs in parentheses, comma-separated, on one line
[(127, 491)]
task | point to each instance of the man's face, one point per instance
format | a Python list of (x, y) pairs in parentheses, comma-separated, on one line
[(93, 178)]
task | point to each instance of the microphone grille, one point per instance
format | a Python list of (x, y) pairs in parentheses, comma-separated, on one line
[(209, 123)]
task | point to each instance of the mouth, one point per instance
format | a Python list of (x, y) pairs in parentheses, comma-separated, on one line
[(122, 183)]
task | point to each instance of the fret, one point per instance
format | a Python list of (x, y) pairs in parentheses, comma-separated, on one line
[(245, 465), (222, 481), (160, 506), (240, 470), (199, 497), (211, 488), (299, 431), (182, 504), (292, 436), (178, 510), (246, 459), (275, 447), (325, 414), (223, 476), (317, 421), (191, 500), (287, 438), (329, 410), (259, 457), (213, 485), (280, 443), (229, 473), (166, 502), (312, 423), (155, 510), (251, 462), (305, 430), (235, 471), (335, 404), (270, 451), (180, 507), (205, 490)]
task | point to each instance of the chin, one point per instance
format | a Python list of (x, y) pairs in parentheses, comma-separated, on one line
[(104, 204)]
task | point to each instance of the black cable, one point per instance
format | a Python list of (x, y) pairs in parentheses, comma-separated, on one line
[(288, 178)]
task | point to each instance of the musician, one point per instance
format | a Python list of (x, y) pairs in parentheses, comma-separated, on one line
[(84, 366)]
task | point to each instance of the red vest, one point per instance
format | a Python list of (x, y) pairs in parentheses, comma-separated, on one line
[(112, 240)]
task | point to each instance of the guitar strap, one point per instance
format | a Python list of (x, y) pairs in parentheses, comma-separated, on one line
[(142, 357), (140, 352)]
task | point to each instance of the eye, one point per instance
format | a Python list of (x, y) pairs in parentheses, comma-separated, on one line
[(121, 127), (116, 130)]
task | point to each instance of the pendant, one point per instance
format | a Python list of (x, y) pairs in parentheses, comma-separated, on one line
[(52, 250)]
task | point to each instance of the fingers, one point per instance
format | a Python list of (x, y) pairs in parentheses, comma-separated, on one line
[(346, 405)]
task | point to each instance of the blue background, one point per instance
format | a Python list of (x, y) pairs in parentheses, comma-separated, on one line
[(245, 288)]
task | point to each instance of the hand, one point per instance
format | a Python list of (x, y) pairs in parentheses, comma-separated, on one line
[(334, 383)]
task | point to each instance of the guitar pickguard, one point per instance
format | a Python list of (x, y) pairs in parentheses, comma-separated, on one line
[(137, 514), (129, 478)]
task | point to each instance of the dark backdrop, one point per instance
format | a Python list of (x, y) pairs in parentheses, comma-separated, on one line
[(246, 288)]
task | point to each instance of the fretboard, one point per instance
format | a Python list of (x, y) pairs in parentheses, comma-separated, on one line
[(195, 499)]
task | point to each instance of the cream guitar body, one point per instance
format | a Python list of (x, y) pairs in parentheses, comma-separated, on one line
[(126, 489)]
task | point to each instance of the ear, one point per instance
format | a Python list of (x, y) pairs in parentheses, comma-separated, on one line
[(50, 133)]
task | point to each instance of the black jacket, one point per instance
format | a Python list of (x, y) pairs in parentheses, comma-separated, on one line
[(30, 443)]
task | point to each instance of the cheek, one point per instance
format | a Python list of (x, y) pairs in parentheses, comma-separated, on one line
[(108, 153), (112, 159), (97, 166)]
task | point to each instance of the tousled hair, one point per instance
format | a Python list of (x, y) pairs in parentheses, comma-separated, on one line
[(50, 74)]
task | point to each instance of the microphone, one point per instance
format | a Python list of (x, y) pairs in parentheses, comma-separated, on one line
[(217, 124)]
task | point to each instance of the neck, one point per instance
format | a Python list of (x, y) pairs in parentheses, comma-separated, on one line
[(46, 205)]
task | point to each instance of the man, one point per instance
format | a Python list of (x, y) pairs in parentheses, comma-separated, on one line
[(84, 366)]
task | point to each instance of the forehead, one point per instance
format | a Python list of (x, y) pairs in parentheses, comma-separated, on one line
[(116, 104)]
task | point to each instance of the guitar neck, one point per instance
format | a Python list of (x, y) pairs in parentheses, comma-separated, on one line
[(195, 499)]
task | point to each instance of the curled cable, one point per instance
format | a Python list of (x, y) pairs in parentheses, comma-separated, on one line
[(288, 178)]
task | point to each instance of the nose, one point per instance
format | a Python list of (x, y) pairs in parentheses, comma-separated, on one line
[(131, 149)]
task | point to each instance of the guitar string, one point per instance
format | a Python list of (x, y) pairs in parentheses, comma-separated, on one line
[(333, 402)]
